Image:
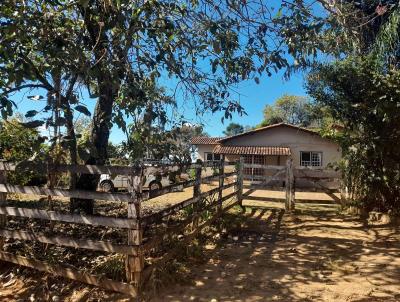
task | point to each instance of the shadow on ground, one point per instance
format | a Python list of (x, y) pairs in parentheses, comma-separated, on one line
[(266, 255), (315, 255)]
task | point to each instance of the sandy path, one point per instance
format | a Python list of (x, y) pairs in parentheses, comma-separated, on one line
[(317, 256)]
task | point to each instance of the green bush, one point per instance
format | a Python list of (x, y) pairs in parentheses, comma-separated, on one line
[(18, 143)]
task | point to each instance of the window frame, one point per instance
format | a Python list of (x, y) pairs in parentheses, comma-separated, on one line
[(311, 161), (212, 157)]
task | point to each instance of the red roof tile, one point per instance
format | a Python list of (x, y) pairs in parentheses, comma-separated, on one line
[(251, 150), (205, 140)]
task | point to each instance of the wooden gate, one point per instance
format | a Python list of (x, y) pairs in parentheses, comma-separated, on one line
[(289, 179)]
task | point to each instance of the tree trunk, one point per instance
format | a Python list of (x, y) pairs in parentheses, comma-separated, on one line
[(100, 133), (72, 145)]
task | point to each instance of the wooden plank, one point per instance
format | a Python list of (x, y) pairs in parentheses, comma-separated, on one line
[(153, 242), (176, 167), (183, 204), (221, 183), (95, 245), (70, 218), (239, 181), (33, 190), (264, 198), (278, 176), (287, 184), (281, 200), (84, 169), (135, 264), (292, 188), (98, 169), (165, 258), (186, 184), (273, 168), (70, 273), (316, 173), (197, 197)]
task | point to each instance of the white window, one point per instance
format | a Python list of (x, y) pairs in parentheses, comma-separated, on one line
[(208, 156), (310, 158)]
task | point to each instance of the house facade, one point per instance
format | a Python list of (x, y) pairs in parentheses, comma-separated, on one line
[(271, 145)]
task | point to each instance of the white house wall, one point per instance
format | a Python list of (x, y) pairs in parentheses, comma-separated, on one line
[(201, 149), (296, 140)]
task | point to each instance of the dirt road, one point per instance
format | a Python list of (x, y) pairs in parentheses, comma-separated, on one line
[(316, 255)]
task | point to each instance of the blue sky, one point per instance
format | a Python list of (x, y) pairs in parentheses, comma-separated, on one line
[(253, 97)]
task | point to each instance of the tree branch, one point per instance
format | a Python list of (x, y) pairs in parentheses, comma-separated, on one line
[(15, 89)]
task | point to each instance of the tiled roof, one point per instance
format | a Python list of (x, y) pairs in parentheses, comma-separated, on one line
[(270, 127), (205, 140), (251, 150)]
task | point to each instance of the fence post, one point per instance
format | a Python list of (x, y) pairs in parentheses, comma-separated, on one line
[(197, 193), (344, 192), (3, 198), (221, 182), (292, 189), (290, 186), (240, 181), (134, 264)]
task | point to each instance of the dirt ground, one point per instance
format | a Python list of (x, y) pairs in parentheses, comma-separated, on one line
[(318, 254)]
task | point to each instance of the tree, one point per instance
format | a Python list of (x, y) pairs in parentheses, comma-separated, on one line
[(362, 91), (233, 129), (365, 99), (115, 49), (173, 144), (17, 143), (296, 110)]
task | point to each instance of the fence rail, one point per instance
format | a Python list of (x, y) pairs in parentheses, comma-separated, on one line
[(137, 227), (289, 177), (144, 233)]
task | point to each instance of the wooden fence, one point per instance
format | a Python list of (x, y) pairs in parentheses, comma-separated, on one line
[(287, 177), (146, 234)]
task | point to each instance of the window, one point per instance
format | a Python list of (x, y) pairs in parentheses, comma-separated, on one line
[(208, 156), (217, 157), (308, 158), (258, 160)]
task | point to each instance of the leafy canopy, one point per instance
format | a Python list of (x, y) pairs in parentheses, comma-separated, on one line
[(233, 129), (292, 109)]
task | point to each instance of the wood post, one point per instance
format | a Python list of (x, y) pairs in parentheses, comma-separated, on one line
[(290, 187), (135, 264), (344, 193), (51, 181), (3, 198), (240, 181), (197, 182), (196, 194), (221, 182)]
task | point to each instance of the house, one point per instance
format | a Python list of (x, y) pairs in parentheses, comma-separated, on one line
[(271, 145)]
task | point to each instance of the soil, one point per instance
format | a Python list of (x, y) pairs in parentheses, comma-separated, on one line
[(318, 254)]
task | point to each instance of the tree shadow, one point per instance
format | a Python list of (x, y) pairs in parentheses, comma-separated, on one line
[(276, 257)]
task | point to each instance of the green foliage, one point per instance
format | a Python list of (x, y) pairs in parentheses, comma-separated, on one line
[(116, 50), (233, 129), (160, 143), (365, 97), (292, 109), (18, 143)]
